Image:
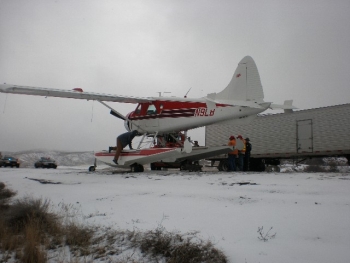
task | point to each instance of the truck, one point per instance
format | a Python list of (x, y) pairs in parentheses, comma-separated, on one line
[(293, 134)]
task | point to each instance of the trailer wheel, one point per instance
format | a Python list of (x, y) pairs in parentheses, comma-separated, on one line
[(220, 166), (140, 168), (272, 168), (261, 167), (153, 167), (348, 158), (223, 165), (137, 168), (92, 169)]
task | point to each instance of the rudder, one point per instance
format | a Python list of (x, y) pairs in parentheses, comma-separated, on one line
[(245, 83)]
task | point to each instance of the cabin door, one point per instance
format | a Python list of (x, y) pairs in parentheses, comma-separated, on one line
[(304, 136), (152, 117)]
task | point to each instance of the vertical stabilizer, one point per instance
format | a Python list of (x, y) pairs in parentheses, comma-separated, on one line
[(245, 83)]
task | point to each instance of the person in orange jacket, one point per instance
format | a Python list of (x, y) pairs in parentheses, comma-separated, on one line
[(232, 155), (241, 153)]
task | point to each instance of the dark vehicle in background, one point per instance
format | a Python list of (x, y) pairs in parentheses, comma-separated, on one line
[(45, 162), (9, 161)]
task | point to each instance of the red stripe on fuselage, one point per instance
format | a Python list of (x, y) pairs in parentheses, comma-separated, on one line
[(172, 109), (166, 114)]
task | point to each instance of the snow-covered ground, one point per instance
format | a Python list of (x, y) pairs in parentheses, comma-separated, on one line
[(308, 212)]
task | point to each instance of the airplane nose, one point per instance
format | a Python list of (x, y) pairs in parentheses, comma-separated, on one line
[(127, 125)]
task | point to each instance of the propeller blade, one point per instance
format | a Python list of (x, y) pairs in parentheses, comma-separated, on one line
[(118, 115)]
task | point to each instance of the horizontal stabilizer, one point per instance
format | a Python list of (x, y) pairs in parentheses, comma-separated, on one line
[(288, 105)]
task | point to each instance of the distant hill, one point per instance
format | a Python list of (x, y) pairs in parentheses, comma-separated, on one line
[(28, 158)]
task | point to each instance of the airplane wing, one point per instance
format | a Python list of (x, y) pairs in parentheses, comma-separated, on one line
[(78, 93), (73, 94)]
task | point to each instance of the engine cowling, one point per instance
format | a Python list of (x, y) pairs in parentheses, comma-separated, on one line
[(127, 123)]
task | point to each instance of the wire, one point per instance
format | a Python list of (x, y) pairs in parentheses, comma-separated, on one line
[(5, 103), (92, 111)]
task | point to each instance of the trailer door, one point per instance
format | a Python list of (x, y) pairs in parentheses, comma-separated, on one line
[(304, 136)]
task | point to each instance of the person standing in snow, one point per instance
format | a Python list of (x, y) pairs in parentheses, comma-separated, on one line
[(241, 153), (248, 149), (232, 155)]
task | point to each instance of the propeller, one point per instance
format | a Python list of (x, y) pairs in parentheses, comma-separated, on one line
[(121, 116), (113, 111), (118, 115)]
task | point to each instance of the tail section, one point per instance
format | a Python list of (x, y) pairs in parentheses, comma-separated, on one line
[(245, 90), (245, 84)]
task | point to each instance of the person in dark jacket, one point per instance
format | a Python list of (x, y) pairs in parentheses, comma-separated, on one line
[(241, 153), (248, 147), (122, 141)]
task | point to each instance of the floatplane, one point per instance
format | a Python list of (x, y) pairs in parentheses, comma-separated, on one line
[(163, 122)]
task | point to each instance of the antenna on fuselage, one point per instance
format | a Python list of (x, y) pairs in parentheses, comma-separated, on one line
[(160, 92), (187, 93)]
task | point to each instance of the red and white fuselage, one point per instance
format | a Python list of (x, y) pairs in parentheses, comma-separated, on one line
[(175, 114)]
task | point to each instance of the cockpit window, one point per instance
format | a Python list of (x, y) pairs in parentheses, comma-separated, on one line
[(138, 109), (152, 109)]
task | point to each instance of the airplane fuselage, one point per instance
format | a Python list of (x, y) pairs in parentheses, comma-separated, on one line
[(173, 116)]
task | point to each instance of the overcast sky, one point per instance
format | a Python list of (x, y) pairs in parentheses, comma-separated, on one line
[(139, 48)]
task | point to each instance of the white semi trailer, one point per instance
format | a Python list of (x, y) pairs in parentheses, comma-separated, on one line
[(298, 135)]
